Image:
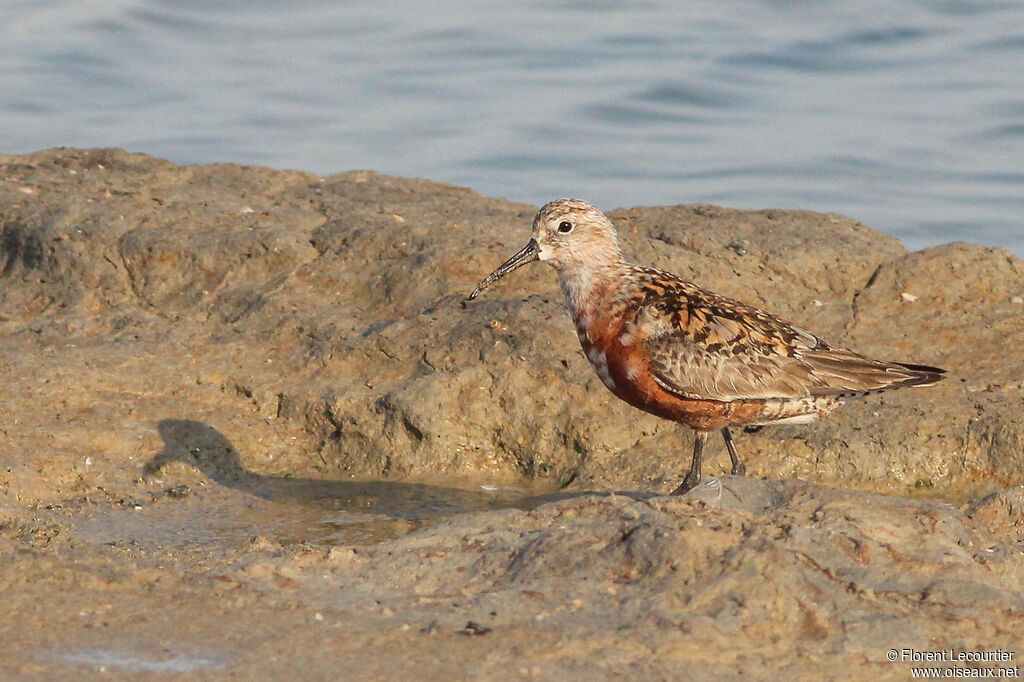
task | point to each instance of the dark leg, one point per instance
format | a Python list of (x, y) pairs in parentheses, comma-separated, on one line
[(738, 467), (693, 478)]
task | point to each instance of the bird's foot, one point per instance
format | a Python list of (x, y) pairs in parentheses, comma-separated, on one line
[(688, 484), (739, 468)]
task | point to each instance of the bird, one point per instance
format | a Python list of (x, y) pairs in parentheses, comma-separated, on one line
[(686, 354)]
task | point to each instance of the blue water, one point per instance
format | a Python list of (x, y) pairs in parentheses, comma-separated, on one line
[(908, 116)]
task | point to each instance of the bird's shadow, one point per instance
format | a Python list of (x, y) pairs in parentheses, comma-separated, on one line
[(204, 447)]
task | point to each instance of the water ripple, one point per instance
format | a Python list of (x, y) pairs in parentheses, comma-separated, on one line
[(900, 115)]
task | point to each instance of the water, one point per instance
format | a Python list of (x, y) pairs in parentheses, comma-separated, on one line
[(124, 659), (317, 513), (908, 116)]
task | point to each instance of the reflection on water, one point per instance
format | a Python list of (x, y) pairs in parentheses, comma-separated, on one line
[(225, 517), (320, 513), (241, 504), (908, 116), (376, 513)]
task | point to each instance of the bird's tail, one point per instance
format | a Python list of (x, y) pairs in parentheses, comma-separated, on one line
[(923, 375)]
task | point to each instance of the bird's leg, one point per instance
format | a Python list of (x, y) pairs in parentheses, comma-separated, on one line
[(693, 477), (738, 467)]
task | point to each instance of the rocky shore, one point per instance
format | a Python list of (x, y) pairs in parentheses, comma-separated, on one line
[(202, 364)]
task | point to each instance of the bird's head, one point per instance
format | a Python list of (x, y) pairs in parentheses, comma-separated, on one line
[(570, 234)]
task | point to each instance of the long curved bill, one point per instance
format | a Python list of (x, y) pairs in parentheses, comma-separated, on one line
[(527, 254)]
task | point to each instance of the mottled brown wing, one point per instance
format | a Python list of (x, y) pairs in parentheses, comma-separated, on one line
[(703, 345)]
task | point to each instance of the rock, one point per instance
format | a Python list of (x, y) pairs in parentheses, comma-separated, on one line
[(330, 311), (197, 362), (733, 578)]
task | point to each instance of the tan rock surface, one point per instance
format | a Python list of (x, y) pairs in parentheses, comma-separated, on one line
[(195, 355)]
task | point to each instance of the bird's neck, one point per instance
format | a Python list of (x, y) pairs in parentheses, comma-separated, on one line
[(586, 286)]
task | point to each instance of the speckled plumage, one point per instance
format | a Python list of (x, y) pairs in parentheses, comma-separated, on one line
[(684, 353)]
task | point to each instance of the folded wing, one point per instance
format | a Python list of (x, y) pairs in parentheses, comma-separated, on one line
[(706, 346)]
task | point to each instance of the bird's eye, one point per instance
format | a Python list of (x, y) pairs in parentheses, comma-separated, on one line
[(565, 227)]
